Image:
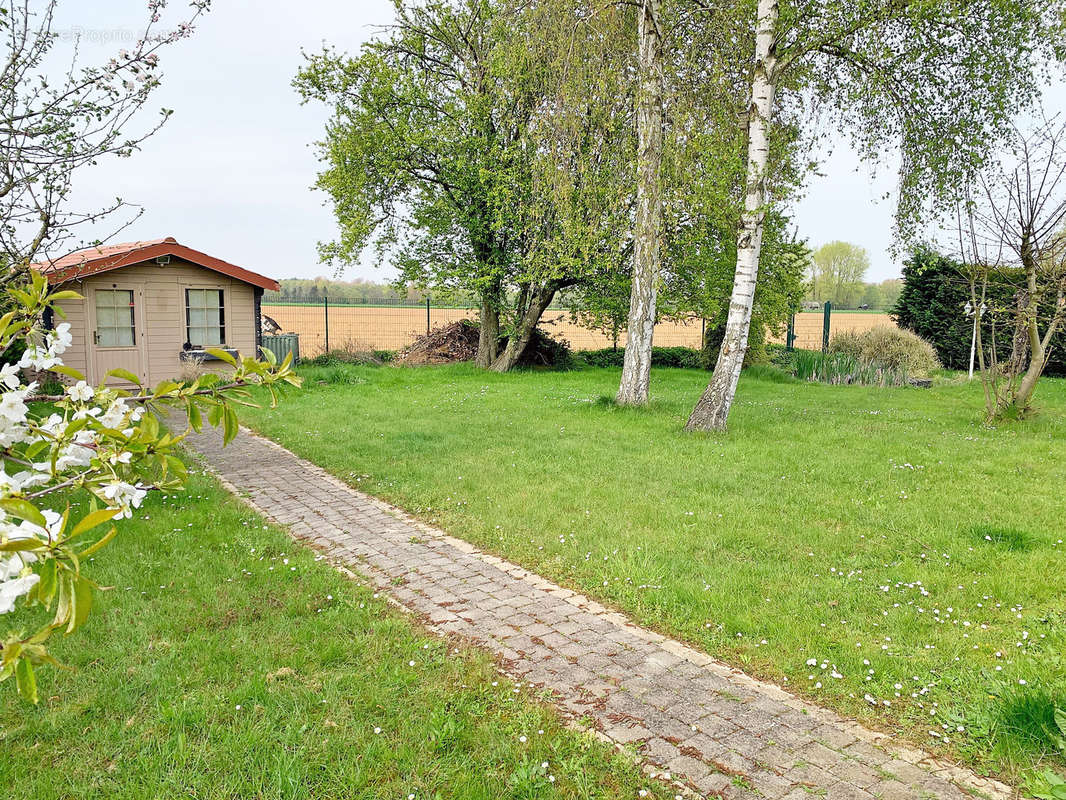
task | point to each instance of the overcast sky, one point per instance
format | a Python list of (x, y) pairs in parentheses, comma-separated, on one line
[(231, 172)]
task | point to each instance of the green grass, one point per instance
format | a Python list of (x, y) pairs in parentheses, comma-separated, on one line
[(884, 533), (228, 662)]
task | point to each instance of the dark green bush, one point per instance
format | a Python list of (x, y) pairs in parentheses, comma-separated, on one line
[(780, 356), (712, 343), (544, 351), (681, 357)]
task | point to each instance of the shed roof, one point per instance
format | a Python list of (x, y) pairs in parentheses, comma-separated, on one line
[(94, 260)]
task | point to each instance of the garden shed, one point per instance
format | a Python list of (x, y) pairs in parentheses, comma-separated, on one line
[(152, 307)]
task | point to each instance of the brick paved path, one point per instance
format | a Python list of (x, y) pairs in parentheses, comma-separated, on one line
[(729, 735)]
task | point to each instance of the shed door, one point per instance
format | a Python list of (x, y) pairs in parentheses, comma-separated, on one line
[(118, 335)]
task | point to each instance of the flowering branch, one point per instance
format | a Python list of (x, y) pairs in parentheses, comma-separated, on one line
[(105, 441)]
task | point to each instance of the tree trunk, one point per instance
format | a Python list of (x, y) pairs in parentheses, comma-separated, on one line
[(1020, 345), (519, 341), (636, 365), (712, 410), (489, 336), (1038, 346)]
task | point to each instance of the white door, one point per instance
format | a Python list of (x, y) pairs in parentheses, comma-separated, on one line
[(118, 336)]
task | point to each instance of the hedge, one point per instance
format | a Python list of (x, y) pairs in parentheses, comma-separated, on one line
[(932, 302)]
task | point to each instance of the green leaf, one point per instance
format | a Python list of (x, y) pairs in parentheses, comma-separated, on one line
[(22, 545), (214, 416), (196, 420), (230, 425), (70, 372), (34, 449), (1060, 720), (92, 520), (83, 602), (150, 425), (26, 681), (166, 387), (23, 509), (64, 294), (46, 587), (125, 375), (222, 355), (66, 599), (103, 540)]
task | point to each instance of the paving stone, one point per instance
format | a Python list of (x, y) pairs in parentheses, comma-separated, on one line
[(747, 733)]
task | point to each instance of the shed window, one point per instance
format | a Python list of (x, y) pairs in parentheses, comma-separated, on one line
[(205, 317), (114, 318)]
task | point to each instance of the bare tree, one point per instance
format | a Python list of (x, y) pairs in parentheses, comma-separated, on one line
[(1011, 233), (50, 126)]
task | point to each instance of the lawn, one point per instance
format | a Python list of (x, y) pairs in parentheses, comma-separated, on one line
[(229, 662), (878, 550)]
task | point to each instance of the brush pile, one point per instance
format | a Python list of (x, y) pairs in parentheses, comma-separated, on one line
[(457, 341)]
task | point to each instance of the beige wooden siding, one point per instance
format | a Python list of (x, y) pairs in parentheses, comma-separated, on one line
[(77, 355), (164, 312)]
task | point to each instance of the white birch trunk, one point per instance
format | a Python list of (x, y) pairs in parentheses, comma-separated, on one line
[(712, 410), (636, 367)]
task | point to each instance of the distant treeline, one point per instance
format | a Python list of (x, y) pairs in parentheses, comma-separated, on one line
[(880, 296), (314, 290)]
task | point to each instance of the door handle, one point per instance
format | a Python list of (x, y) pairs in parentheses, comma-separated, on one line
[(96, 337)]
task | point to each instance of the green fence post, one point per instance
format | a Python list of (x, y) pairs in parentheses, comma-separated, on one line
[(325, 310), (427, 315), (825, 326), (790, 337)]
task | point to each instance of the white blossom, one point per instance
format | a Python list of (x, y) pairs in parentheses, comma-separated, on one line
[(9, 376), (12, 406), (13, 589), (80, 392)]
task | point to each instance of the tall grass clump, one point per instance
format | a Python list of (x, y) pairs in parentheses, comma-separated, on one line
[(841, 368)]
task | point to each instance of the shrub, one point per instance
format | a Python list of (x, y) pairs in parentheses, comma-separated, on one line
[(757, 352), (889, 347), (545, 351), (345, 355), (849, 343), (900, 350), (682, 357)]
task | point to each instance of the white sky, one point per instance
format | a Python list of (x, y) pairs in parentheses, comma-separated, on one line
[(230, 173)]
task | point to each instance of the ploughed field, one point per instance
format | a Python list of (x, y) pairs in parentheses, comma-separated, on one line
[(369, 327), (878, 550)]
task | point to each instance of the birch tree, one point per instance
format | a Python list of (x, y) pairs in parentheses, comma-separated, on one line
[(940, 80), (636, 366)]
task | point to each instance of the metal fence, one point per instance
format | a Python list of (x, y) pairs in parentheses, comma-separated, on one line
[(381, 325)]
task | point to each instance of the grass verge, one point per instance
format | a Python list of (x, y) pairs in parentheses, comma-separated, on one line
[(229, 662), (877, 550)]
